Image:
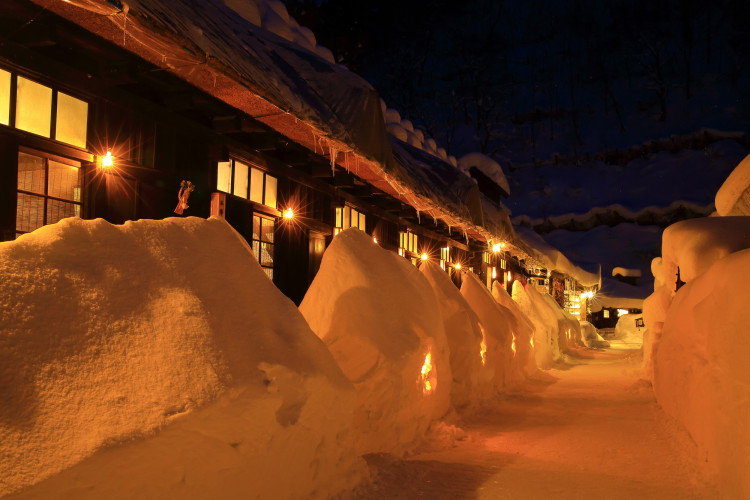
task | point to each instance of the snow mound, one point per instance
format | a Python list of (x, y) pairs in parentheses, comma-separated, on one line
[(627, 329), (545, 324), (487, 166), (379, 317), (167, 336), (694, 245), (524, 363), (733, 197), (470, 378), (701, 374), (591, 337), (495, 324)]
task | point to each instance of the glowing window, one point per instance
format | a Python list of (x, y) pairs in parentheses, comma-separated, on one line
[(347, 217), (72, 119), (270, 190), (239, 187), (4, 97), (33, 107), (224, 176), (606, 313), (262, 243), (48, 191), (445, 253), (256, 185)]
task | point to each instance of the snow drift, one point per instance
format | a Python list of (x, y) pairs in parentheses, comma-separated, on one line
[(471, 379), (156, 359), (701, 375), (379, 317), (496, 323), (524, 363)]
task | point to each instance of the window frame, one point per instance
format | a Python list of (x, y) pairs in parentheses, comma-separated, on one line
[(251, 167), (263, 243), (47, 157), (53, 118)]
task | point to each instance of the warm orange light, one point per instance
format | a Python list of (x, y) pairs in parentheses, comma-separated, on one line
[(424, 256), (107, 161), (482, 346), (494, 273), (513, 344), (531, 341), (442, 264), (289, 213), (622, 312), (336, 230), (374, 240), (401, 252), (510, 276), (458, 266), (425, 378)]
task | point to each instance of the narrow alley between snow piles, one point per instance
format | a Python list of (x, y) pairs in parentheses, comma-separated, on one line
[(593, 430)]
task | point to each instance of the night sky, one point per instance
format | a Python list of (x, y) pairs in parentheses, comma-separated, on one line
[(522, 81)]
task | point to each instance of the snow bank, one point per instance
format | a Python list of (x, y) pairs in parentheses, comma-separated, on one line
[(379, 317), (591, 337), (164, 344), (694, 245), (627, 329), (496, 323), (471, 380), (701, 373), (733, 197), (487, 166), (529, 300), (524, 363)]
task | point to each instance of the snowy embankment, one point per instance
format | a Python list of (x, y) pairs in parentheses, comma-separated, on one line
[(379, 317), (696, 341), (155, 359), (472, 379)]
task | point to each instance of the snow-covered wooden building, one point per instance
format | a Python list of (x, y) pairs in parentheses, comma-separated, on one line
[(158, 108)]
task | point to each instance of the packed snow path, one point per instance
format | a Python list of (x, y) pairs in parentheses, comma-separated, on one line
[(595, 432)]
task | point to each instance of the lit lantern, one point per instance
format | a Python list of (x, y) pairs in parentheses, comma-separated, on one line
[(494, 273), (426, 379), (424, 257), (107, 161), (531, 341), (374, 240), (510, 277), (496, 247), (458, 266), (513, 344), (289, 213), (482, 346)]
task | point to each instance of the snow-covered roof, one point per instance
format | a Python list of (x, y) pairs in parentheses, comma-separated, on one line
[(628, 273), (617, 294), (554, 258), (438, 181), (487, 166), (694, 245), (733, 197)]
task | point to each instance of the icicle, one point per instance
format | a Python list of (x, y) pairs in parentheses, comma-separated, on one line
[(125, 10), (334, 153)]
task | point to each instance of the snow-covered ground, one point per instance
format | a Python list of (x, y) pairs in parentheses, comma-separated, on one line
[(594, 432)]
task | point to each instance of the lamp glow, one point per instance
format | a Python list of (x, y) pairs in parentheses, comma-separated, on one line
[(458, 266), (496, 247), (289, 213), (107, 160), (424, 257)]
